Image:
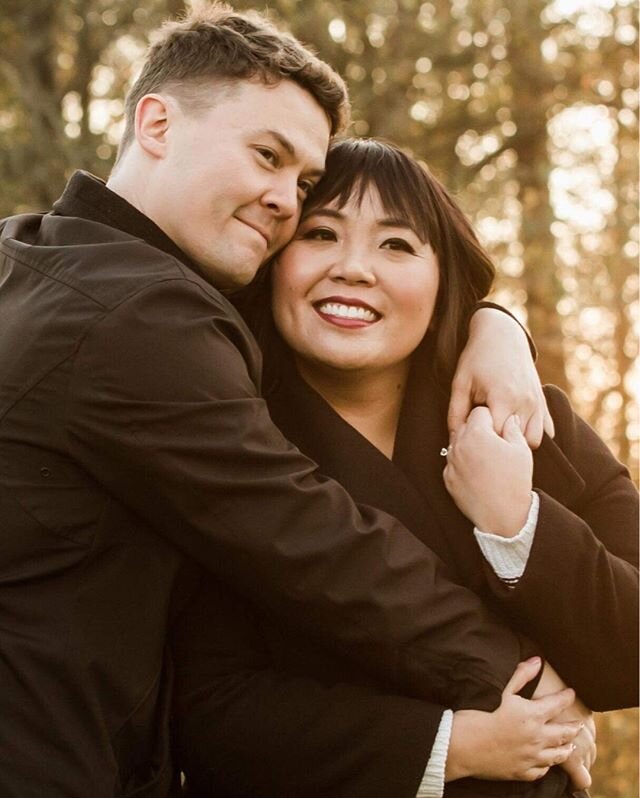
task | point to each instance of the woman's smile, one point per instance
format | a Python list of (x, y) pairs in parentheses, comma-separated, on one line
[(346, 312)]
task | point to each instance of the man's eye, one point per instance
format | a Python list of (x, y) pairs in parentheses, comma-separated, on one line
[(319, 234), (269, 155), (398, 244)]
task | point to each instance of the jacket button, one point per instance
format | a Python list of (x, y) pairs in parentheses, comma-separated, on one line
[(45, 472)]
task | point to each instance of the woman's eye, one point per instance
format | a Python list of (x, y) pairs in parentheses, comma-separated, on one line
[(319, 234), (398, 244)]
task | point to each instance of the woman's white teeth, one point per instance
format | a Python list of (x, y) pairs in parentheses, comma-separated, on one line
[(347, 311)]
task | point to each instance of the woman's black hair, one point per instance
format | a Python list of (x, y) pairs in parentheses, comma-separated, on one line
[(407, 190)]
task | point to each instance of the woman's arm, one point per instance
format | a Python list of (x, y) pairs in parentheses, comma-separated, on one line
[(578, 594)]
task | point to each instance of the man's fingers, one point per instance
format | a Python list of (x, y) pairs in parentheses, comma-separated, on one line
[(524, 673), (499, 411), (578, 773), (512, 431), (534, 429), (549, 426), (460, 405)]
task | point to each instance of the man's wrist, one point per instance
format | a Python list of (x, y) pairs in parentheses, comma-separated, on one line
[(492, 306)]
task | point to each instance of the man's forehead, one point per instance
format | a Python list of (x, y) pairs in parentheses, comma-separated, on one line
[(287, 113)]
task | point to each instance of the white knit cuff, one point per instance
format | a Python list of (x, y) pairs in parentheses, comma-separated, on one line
[(508, 556), (432, 784)]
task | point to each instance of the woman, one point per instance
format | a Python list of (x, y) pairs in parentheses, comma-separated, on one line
[(370, 303)]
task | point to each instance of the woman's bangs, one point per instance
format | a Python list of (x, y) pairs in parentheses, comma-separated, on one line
[(354, 168)]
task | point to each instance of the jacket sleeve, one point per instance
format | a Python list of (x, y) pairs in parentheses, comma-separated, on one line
[(164, 411), (578, 596), (243, 728)]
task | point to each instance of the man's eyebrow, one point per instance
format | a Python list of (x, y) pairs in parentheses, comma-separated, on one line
[(283, 141), (287, 145)]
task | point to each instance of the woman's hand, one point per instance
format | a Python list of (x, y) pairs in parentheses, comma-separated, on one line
[(489, 476), (521, 740), (496, 369)]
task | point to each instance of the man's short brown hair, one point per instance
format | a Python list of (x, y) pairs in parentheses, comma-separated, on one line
[(214, 43)]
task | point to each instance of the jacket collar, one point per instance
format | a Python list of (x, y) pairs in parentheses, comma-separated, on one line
[(87, 197)]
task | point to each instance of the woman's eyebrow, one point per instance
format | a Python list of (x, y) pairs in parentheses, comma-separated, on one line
[(328, 213), (392, 221)]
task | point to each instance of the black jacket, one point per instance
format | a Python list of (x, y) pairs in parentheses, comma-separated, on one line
[(132, 437), (260, 712)]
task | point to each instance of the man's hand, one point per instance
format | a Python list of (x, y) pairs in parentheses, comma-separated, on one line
[(496, 369), (490, 476), (578, 765)]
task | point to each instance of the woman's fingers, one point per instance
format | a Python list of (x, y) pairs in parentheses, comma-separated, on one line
[(556, 756), (533, 774), (550, 706), (560, 734), (533, 429)]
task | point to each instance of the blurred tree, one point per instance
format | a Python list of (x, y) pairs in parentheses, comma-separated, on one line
[(527, 110), (64, 68)]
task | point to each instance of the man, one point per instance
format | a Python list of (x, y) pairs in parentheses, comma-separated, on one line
[(133, 440)]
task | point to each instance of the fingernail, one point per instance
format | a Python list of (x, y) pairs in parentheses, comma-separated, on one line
[(534, 660), (516, 418)]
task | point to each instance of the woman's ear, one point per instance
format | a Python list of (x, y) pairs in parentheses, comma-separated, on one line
[(153, 116)]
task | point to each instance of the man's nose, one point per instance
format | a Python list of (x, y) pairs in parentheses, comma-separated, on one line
[(281, 197)]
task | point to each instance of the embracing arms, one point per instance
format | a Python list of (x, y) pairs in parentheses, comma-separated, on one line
[(169, 418), (578, 594)]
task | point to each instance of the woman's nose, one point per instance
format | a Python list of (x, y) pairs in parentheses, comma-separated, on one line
[(353, 267)]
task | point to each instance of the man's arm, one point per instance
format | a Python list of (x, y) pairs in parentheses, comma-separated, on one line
[(243, 726), (164, 411), (497, 369)]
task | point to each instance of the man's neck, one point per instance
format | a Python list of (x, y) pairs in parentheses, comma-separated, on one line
[(368, 400)]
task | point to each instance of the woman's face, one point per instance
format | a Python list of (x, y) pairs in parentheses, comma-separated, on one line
[(355, 289)]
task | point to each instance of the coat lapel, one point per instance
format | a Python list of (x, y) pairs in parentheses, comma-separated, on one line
[(422, 433), (343, 453)]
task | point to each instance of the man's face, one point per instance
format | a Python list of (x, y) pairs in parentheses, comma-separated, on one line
[(234, 176)]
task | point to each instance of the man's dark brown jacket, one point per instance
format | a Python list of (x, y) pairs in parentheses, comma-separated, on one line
[(132, 438)]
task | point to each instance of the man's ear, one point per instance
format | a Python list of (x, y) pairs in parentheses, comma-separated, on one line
[(153, 115)]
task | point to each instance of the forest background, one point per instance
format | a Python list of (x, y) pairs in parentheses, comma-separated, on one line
[(527, 110)]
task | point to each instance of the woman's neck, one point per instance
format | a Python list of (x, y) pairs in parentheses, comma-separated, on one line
[(369, 401)]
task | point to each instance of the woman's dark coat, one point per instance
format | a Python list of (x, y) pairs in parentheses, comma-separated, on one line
[(262, 719)]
